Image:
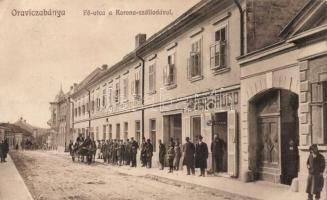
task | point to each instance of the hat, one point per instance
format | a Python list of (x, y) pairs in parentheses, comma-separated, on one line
[(313, 146), (187, 138), (200, 137)]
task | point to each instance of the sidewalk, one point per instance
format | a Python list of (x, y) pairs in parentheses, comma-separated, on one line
[(259, 189), (12, 186)]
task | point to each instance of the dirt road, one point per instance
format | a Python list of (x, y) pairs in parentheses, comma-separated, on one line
[(53, 177)]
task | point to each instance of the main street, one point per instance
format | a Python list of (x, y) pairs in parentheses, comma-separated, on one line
[(54, 176)]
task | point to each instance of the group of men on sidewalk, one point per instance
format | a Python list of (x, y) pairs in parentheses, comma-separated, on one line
[(4, 149)]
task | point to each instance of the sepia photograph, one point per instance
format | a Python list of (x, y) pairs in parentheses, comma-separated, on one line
[(163, 99)]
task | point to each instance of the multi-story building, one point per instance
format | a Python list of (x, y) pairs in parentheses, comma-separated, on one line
[(284, 99), (61, 121), (216, 69)]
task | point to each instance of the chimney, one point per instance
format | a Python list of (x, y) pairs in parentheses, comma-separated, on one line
[(75, 85), (104, 67), (140, 39), (71, 87)]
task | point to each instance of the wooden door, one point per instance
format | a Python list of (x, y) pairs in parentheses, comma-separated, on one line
[(268, 135), (232, 143)]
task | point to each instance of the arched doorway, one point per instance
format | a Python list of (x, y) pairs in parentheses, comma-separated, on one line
[(274, 135)]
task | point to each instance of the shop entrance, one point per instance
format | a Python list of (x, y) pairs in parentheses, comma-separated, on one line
[(274, 132), (219, 127), (172, 128)]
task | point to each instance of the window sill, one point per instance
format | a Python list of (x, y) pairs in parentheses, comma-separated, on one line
[(221, 70), (171, 86), (196, 78)]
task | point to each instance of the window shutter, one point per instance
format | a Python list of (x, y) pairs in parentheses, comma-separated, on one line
[(189, 60), (200, 58), (154, 77), (212, 56), (165, 74), (232, 143)]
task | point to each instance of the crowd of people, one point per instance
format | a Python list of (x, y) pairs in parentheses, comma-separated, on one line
[(4, 149), (119, 152)]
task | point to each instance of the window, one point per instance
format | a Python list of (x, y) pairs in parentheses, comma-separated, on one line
[(79, 111), (195, 127), (118, 131), (170, 71), (194, 62), (117, 92), (218, 51), (319, 112), (104, 98), (152, 78), (110, 96), (110, 131), (104, 133), (138, 131), (153, 136), (93, 105), (83, 109), (135, 87), (125, 131), (87, 107), (97, 133), (125, 88), (98, 103), (75, 112)]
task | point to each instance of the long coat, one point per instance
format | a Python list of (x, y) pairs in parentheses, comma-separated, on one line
[(162, 153), (2, 151), (189, 150), (201, 155), (316, 166)]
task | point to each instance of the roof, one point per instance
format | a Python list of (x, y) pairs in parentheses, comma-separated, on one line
[(16, 129)]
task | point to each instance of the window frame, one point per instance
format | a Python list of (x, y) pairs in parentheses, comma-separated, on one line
[(220, 43)]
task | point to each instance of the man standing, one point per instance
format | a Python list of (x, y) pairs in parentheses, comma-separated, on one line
[(149, 153), (143, 152), (134, 147), (316, 167), (189, 150), (162, 154), (5, 149), (128, 152), (201, 155), (1, 151), (218, 147)]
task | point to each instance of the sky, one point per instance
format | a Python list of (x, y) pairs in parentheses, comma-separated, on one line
[(38, 54)]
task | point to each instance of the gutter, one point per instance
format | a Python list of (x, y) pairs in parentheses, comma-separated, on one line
[(142, 94), (241, 26)]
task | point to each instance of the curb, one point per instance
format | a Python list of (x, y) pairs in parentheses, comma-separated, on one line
[(21, 178)]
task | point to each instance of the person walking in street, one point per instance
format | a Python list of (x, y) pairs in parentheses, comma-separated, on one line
[(171, 156), (143, 152), (178, 155), (128, 152), (5, 149), (134, 147), (218, 148), (1, 151), (201, 155), (316, 167), (162, 154), (149, 153), (189, 151)]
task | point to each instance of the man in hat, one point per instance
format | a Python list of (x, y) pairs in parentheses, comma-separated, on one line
[(162, 154), (218, 147), (201, 155), (189, 150), (149, 153), (316, 167), (134, 147)]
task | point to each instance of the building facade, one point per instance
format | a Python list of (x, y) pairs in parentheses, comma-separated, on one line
[(61, 121), (222, 68), (283, 100)]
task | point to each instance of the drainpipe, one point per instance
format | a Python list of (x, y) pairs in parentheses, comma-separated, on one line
[(142, 94), (72, 103), (241, 26), (89, 111)]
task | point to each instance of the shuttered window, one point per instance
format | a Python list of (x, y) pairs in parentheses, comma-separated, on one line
[(218, 50)]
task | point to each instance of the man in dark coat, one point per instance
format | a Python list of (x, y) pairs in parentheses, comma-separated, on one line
[(218, 148), (5, 149), (143, 152), (1, 151), (316, 167), (162, 154), (134, 147), (189, 150), (128, 153), (149, 153), (201, 155)]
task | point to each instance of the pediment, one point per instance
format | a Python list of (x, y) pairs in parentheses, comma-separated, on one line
[(312, 16)]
